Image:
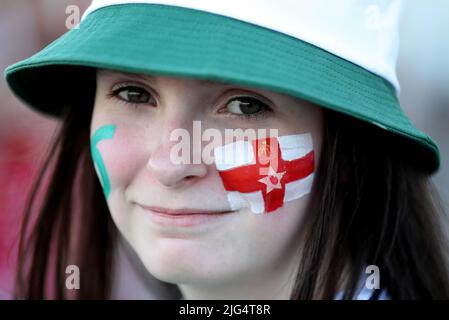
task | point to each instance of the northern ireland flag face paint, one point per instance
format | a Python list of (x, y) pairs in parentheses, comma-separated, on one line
[(265, 173)]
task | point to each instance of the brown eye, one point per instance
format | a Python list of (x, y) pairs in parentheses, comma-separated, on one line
[(246, 106), (134, 95)]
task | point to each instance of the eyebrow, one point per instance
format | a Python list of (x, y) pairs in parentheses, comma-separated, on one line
[(152, 78)]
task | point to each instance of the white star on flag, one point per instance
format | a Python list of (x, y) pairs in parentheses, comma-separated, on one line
[(272, 180)]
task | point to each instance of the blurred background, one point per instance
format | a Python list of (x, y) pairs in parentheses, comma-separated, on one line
[(26, 26)]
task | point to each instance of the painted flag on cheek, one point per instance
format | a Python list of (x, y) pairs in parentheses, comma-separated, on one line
[(265, 173)]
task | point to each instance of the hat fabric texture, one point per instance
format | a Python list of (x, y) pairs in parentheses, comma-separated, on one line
[(340, 55)]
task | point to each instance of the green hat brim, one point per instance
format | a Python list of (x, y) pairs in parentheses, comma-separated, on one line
[(175, 41)]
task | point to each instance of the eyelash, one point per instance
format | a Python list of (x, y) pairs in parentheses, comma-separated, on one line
[(266, 110), (116, 90)]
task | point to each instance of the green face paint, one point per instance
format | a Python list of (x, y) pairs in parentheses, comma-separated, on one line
[(102, 133)]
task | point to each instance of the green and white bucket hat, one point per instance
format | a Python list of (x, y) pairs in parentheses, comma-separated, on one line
[(338, 54)]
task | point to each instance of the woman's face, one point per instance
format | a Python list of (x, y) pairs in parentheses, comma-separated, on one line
[(134, 117)]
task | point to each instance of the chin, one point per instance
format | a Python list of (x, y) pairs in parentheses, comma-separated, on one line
[(169, 265), (181, 269), (176, 274)]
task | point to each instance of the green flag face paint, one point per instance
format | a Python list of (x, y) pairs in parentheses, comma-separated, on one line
[(103, 133)]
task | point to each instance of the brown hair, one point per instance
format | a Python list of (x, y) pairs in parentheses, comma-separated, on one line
[(372, 205)]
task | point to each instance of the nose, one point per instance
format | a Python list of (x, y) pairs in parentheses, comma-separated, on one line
[(178, 111), (168, 171), (172, 174)]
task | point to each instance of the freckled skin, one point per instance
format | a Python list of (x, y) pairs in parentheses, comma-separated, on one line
[(243, 256)]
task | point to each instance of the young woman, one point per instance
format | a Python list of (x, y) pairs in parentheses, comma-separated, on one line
[(341, 208)]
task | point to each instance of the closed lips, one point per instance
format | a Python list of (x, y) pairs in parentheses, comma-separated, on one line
[(183, 212)]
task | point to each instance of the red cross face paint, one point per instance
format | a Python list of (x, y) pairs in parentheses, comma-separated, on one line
[(265, 173)]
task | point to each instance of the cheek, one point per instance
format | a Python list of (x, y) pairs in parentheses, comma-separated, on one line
[(258, 243), (278, 231), (276, 171), (123, 156)]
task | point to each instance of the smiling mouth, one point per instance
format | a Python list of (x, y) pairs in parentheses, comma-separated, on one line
[(180, 212), (183, 218)]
